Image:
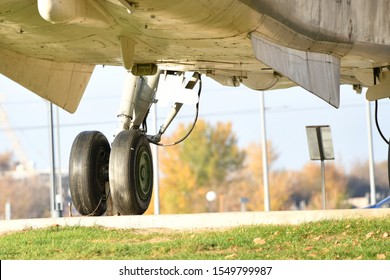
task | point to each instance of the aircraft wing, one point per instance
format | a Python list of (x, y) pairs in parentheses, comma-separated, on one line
[(52, 46)]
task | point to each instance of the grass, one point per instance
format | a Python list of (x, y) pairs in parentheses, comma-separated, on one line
[(329, 240)]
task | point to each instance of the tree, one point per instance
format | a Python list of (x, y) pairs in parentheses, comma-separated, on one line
[(211, 160), (5, 162), (29, 197), (359, 179), (251, 180), (207, 160), (307, 187)]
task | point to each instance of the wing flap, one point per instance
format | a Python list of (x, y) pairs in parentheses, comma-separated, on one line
[(62, 83), (318, 73)]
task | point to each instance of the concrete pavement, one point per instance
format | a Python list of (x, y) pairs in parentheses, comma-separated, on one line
[(195, 221)]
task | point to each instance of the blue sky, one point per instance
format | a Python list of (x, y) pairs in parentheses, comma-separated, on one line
[(288, 112)]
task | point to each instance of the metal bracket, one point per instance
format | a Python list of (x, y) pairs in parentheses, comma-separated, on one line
[(381, 90), (174, 111)]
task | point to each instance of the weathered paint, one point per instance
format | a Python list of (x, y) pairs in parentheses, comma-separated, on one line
[(209, 36)]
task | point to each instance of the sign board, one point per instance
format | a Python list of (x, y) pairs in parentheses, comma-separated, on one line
[(320, 142)]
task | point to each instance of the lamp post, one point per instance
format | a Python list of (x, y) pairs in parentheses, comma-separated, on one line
[(267, 206), (53, 188), (211, 196), (371, 166), (156, 177)]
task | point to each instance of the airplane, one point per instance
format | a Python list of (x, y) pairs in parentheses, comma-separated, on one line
[(51, 47)]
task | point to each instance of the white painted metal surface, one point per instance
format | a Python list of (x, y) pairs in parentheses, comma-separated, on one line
[(51, 46), (316, 72)]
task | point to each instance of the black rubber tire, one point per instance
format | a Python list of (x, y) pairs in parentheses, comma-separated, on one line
[(131, 173), (88, 173)]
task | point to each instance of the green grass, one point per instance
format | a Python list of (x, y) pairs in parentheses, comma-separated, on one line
[(347, 239)]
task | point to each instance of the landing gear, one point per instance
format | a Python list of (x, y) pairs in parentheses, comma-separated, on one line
[(122, 175), (125, 176), (88, 173), (131, 173), (125, 173)]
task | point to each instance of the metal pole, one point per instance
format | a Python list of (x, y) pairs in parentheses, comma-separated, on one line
[(8, 210), (370, 154), (264, 154), (59, 197), (156, 181), (53, 165), (323, 185)]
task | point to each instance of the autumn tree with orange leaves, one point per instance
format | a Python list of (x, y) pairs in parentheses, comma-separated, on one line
[(307, 187), (207, 161), (210, 160), (251, 181)]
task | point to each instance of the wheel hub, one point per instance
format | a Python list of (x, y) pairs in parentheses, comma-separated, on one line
[(144, 173)]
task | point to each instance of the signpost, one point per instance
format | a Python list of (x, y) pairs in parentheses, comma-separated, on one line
[(320, 143)]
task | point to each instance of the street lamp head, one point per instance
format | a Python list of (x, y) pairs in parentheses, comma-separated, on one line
[(211, 196)]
